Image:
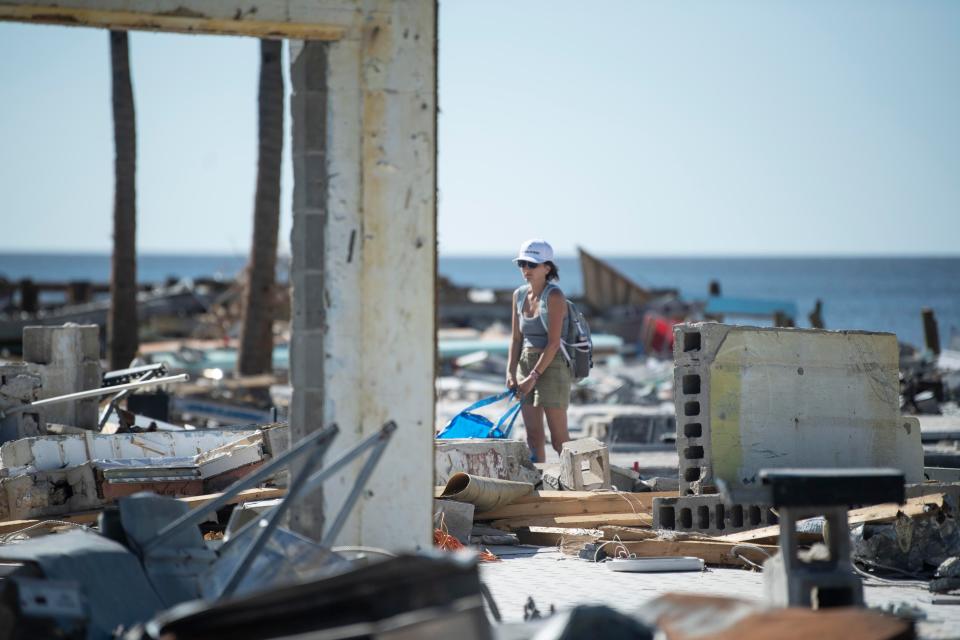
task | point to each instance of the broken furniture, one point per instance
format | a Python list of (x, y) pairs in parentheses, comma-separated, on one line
[(796, 579)]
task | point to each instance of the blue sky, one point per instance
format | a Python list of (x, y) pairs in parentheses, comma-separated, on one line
[(631, 128)]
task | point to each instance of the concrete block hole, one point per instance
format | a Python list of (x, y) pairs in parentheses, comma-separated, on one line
[(691, 409), (691, 341), (691, 384), (693, 430), (668, 518), (691, 474), (686, 518), (693, 453)]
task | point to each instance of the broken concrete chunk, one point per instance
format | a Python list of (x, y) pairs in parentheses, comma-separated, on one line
[(551, 476), (503, 459), (67, 359), (623, 479), (456, 518), (585, 465)]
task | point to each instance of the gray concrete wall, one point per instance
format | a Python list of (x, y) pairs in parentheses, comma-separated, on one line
[(750, 398)]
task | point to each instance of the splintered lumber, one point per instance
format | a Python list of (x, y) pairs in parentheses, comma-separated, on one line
[(589, 521), (724, 554), (571, 503), (913, 507), (194, 502)]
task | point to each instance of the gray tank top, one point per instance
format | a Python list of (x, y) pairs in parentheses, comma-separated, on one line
[(534, 333)]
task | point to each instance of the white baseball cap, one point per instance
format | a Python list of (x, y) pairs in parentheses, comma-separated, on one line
[(534, 250)]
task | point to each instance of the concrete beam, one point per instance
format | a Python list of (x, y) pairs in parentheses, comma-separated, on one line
[(257, 18)]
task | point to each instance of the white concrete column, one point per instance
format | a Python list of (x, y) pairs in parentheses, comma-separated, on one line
[(364, 261)]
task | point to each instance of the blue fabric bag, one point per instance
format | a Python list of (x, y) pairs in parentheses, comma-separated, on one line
[(473, 425)]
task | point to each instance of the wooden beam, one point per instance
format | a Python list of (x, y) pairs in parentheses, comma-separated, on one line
[(181, 20), (713, 553), (590, 521), (874, 514), (607, 502)]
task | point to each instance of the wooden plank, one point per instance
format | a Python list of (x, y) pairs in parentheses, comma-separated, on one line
[(589, 521), (874, 514), (90, 517), (713, 553), (605, 503)]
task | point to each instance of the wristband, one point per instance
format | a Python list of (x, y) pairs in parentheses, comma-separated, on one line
[(535, 375)]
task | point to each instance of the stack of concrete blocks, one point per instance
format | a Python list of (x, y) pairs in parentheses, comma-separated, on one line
[(67, 359), (585, 465), (19, 386), (750, 398)]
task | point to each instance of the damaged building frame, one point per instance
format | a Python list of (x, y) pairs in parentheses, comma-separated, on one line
[(364, 235)]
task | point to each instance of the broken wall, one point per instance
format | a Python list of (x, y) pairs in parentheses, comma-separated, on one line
[(750, 398)]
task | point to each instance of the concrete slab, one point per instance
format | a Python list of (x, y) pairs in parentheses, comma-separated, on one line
[(749, 398), (503, 459)]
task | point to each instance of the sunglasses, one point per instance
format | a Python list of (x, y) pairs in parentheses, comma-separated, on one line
[(523, 264)]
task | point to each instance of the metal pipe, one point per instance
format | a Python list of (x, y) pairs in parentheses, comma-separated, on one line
[(120, 396), (194, 517), (319, 478), (94, 393)]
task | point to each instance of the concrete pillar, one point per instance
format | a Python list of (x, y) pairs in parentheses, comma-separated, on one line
[(364, 262), (67, 359)]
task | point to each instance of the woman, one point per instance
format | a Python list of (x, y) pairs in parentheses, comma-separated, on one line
[(539, 321)]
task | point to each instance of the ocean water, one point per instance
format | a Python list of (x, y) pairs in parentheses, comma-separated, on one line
[(875, 294)]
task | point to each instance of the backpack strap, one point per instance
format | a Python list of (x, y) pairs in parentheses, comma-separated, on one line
[(544, 298)]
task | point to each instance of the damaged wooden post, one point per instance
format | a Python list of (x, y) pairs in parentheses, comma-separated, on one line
[(364, 261)]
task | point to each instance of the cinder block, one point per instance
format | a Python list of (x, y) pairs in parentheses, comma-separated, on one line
[(709, 515), (750, 398), (585, 465)]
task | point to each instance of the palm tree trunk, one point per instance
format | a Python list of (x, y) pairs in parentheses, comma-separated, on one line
[(256, 332), (122, 339)]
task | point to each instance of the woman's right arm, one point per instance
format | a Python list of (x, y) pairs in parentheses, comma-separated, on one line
[(516, 342)]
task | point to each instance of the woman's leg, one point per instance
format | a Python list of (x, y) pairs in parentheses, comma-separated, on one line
[(557, 421), (533, 421)]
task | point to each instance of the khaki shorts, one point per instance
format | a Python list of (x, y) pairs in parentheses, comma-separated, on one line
[(552, 390)]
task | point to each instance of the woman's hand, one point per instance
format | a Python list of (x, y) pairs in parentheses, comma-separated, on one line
[(511, 380), (526, 385)]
